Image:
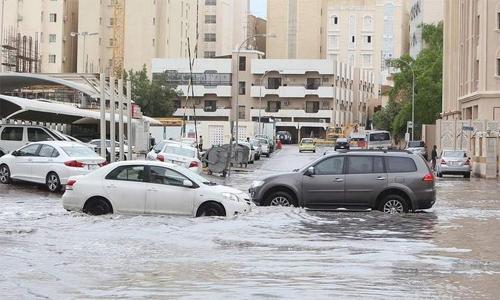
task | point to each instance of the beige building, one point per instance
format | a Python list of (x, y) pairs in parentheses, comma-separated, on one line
[(305, 96), (423, 12), (471, 83), (222, 25), (130, 33), (47, 21), (257, 25), (361, 33)]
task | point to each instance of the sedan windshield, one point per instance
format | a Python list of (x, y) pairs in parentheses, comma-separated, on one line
[(79, 152)]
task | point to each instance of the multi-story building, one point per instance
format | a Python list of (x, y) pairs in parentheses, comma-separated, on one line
[(258, 26), (48, 22), (471, 85), (304, 95), (362, 33), (129, 33), (222, 25), (423, 12)]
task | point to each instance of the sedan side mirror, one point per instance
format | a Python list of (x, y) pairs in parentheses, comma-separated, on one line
[(187, 183), (309, 171), (15, 153)]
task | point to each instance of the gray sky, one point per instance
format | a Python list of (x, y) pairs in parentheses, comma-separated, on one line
[(259, 8)]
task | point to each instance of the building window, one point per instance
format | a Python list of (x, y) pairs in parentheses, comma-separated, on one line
[(313, 83), (334, 20), (209, 54), (498, 20), (498, 67), (100, 21), (273, 83), (154, 21), (242, 63), (52, 58), (154, 42), (273, 106), (210, 37), (369, 39), (111, 42), (210, 2), (367, 23), (111, 21), (53, 18), (241, 88), (210, 105), (210, 19), (312, 106), (241, 112), (52, 38)]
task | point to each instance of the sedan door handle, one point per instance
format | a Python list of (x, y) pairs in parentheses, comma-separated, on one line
[(111, 186), (339, 180), (380, 178)]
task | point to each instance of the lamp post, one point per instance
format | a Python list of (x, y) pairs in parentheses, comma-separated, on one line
[(84, 34), (238, 81), (412, 96)]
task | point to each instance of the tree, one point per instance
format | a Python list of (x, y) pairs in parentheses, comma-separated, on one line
[(154, 98), (428, 68)]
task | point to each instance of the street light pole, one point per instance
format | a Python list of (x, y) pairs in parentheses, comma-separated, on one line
[(238, 81), (412, 98), (84, 34)]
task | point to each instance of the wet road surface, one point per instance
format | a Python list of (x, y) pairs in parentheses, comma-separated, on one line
[(451, 251)]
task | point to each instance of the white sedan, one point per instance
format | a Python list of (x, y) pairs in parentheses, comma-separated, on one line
[(49, 163), (176, 153), (150, 187)]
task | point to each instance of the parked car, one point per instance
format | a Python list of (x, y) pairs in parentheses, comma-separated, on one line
[(14, 136), (390, 181), (256, 144), (357, 141), (189, 141), (455, 162), (342, 143), (70, 138), (270, 141), (266, 149), (418, 147), (284, 136), (97, 144), (307, 144), (179, 154), (49, 163), (380, 139), (151, 187)]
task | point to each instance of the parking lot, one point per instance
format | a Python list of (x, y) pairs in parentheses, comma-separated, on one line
[(450, 251)]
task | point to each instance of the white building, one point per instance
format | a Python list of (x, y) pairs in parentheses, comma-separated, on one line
[(423, 12)]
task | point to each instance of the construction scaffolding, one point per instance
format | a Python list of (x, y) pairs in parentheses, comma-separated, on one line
[(19, 53), (118, 37)]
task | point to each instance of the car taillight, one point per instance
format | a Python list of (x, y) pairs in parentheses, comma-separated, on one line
[(428, 178), (443, 162), (193, 164), (70, 183), (74, 164), (103, 164), (467, 163), (160, 157)]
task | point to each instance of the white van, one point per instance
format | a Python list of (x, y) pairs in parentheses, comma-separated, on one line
[(13, 137), (379, 139)]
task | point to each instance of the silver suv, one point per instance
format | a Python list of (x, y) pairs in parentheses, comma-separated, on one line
[(390, 181)]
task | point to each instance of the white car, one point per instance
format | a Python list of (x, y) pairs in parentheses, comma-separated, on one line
[(264, 143), (150, 187), (177, 153), (97, 146), (49, 163)]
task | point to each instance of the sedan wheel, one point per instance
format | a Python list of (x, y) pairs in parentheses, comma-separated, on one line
[(211, 210), (53, 183), (97, 207), (4, 174), (393, 204)]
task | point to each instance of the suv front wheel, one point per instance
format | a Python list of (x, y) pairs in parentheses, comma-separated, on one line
[(280, 199), (393, 204)]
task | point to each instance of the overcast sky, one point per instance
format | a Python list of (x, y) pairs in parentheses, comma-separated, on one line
[(258, 8)]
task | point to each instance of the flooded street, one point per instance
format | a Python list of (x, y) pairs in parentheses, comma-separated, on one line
[(450, 251)]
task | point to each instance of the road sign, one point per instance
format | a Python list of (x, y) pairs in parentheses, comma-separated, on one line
[(409, 124)]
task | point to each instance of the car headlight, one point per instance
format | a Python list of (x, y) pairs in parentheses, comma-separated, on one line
[(230, 196), (257, 183)]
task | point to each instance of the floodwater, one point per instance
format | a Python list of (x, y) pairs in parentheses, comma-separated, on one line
[(451, 251)]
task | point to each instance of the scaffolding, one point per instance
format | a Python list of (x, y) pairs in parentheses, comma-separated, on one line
[(118, 37), (19, 53)]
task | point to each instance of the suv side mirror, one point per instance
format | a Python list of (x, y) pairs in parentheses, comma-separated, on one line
[(309, 171), (187, 183)]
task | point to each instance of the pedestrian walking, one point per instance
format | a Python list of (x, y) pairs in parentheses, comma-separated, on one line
[(434, 155), (200, 143)]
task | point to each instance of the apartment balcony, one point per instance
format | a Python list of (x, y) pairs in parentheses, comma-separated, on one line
[(298, 91), (200, 112), (200, 90), (292, 113)]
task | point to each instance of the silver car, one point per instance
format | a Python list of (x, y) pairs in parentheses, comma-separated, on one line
[(393, 182), (455, 162)]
